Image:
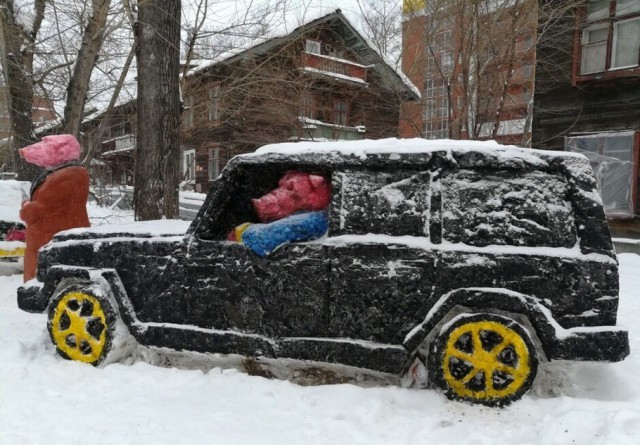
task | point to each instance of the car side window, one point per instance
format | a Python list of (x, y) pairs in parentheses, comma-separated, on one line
[(507, 208), (231, 203), (382, 202)]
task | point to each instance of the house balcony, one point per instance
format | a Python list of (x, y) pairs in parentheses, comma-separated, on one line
[(120, 145), (315, 130), (332, 67)]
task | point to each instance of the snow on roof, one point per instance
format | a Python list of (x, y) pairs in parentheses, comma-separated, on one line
[(48, 126), (387, 60), (417, 145), (121, 102)]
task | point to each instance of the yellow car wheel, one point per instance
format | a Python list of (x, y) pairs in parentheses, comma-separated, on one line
[(483, 358), (81, 324)]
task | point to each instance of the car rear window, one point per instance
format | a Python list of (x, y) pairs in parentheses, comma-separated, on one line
[(507, 208), (382, 202)]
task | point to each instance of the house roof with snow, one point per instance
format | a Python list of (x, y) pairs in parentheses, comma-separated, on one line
[(368, 54)]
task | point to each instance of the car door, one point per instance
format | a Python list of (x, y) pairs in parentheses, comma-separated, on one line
[(231, 288), (382, 269)]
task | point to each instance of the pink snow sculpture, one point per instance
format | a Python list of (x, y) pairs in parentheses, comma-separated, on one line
[(15, 234), (52, 151), (58, 194), (297, 191)]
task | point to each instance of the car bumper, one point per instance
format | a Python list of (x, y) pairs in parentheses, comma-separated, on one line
[(601, 344), (30, 297)]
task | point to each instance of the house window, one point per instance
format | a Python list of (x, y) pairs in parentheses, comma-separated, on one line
[(313, 47), (187, 114), (214, 103), (308, 105), (214, 163), (189, 165), (611, 39), (340, 112), (439, 66), (626, 43), (614, 159), (334, 51)]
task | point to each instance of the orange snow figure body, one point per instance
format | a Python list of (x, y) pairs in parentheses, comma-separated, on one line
[(58, 195)]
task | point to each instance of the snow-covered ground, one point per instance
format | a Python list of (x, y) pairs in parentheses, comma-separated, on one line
[(47, 400), (12, 193)]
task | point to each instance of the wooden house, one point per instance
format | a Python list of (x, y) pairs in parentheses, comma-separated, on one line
[(321, 81), (587, 99)]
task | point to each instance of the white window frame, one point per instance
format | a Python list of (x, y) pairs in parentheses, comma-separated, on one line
[(313, 47), (214, 95), (189, 165), (188, 112), (632, 7), (614, 46), (213, 163), (340, 112), (626, 12), (587, 44), (308, 107), (604, 13)]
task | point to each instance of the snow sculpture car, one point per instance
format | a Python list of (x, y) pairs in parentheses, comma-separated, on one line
[(459, 264)]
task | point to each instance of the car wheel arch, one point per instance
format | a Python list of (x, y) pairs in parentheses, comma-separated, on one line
[(99, 288), (524, 309), (60, 277)]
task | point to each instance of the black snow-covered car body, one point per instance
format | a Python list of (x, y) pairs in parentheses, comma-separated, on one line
[(450, 258)]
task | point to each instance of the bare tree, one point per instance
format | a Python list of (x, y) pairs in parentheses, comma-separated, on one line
[(381, 23), (18, 32), (52, 47), (157, 33), (79, 84), (478, 66)]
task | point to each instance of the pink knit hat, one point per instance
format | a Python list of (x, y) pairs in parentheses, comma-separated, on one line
[(52, 151)]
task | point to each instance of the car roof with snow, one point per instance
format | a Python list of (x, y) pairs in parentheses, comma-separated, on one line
[(408, 146), (417, 152)]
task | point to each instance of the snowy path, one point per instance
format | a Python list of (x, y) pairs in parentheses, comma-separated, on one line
[(47, 400)]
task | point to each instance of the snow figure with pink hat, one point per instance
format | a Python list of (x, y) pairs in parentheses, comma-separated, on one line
[(294, 211), (59, 194)]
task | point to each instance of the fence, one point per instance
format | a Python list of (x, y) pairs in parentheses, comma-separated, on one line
[(122, 198)]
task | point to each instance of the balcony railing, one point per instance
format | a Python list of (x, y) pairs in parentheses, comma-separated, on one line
[(121, 144), (316, 130), (334, 67)]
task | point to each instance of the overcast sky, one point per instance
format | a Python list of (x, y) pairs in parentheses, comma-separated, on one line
[(297, 11)]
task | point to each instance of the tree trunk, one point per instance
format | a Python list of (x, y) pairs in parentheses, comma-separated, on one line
[(87, 55), (16, 49), (157, 33)]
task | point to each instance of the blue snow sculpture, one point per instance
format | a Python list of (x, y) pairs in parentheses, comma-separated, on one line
[(264, 238)]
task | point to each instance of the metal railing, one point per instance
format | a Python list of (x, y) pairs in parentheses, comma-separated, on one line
[(122, 198)]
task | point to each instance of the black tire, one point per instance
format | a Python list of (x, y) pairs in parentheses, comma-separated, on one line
[(483, 358)]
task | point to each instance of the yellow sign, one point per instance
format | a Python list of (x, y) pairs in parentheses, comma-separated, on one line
[(11, 253)]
